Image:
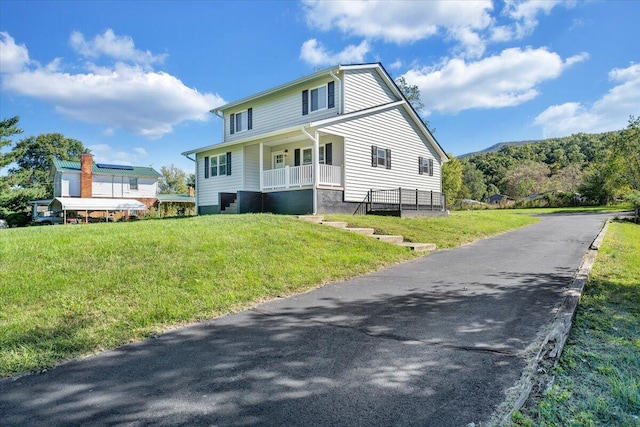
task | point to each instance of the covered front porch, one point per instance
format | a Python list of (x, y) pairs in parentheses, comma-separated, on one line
[(301, 162)]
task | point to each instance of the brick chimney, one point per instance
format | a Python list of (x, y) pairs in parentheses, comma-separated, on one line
[(86, 181), (192, 191)]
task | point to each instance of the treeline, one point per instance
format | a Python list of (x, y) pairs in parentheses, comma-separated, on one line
[(581, 168)]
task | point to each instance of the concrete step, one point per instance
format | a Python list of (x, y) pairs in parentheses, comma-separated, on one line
[(231, 209), (311, 218), (365, 231), (388, 238), (419, 247), (336, 224)]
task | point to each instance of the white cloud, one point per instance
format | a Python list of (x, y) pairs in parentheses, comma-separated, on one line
[(120, 48), (13, 57), (508, 79), (315, 53), (104, 153), (611, 112), (132, 97), (402, 21)]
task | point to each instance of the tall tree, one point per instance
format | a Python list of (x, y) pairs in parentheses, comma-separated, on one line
[(8, 128), (34, 157), (474, 185), (451, 178), (174, 180), (626, 154), (412, 93)]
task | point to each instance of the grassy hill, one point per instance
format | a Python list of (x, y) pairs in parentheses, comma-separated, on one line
[(68, 291)]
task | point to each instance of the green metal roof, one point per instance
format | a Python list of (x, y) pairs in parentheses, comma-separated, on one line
[(176, 198), (71, 166)]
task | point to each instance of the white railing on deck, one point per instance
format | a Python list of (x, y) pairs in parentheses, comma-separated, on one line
[(299, 176), (330, 175)]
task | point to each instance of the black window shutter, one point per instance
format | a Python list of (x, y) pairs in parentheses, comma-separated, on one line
[(328, 154), (250, 119), (430, 167), (206, 167), (229, 163), (305, 102), (331, 95), (388, 158), (232, 124), (374, 156), (420, 170), (296, 157)]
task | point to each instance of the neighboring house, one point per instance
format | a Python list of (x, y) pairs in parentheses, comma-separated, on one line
[(87, 179), (318, 144), (498, 199)]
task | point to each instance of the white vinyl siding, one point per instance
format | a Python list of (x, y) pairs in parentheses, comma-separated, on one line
[(252, 168), (280, 111), (365, 89), (116, 186), (389, 129), (208, 188), (120, 186)]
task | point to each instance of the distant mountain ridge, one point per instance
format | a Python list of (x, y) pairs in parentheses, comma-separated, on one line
[(499, 145)]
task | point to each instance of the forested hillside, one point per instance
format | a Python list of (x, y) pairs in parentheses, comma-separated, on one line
[(597, 167)]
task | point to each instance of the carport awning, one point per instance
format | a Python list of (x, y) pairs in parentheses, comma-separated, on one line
[(87, 204)]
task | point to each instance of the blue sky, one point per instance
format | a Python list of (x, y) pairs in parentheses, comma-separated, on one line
[(134, 81)]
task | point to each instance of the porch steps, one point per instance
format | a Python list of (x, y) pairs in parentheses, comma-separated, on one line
[(370, 232), (389, 239), (335, 224), (231, 209), (419, 247), (365, 231)]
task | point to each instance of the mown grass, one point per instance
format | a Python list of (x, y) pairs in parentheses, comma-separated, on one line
[(598, 377), (68, 291)]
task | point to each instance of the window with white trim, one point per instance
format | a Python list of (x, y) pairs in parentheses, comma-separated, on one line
[(318, 98), (380, 157), (241, 121), (133, 183), (218, 165), (425, 166)]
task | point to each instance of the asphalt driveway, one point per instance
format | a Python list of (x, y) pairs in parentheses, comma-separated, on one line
[(435, 341)]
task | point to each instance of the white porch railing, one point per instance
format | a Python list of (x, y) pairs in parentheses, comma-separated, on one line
[(300, 176)]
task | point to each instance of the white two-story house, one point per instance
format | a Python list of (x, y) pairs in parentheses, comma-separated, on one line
[(319, 144)]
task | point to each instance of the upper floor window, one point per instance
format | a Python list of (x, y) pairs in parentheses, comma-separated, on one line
[(241, 121), (133, 183), (317, 99)]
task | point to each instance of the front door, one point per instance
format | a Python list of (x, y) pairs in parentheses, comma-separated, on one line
[(278, 160)]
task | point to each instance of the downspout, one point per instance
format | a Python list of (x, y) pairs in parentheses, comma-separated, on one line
[(315, 169), (339, 89)]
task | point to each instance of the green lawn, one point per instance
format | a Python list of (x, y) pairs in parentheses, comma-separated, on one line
[(598, 378), (68, 291)]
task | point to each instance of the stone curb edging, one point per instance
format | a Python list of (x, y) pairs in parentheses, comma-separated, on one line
[(553, 344)]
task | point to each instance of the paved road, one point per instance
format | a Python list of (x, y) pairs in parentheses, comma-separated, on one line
[(435, 341)]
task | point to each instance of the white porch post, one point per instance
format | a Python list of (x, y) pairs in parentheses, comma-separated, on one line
[(261, 165), (316, 170)]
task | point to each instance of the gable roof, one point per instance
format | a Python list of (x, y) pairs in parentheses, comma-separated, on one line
[(386, 77), (103, 169)]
